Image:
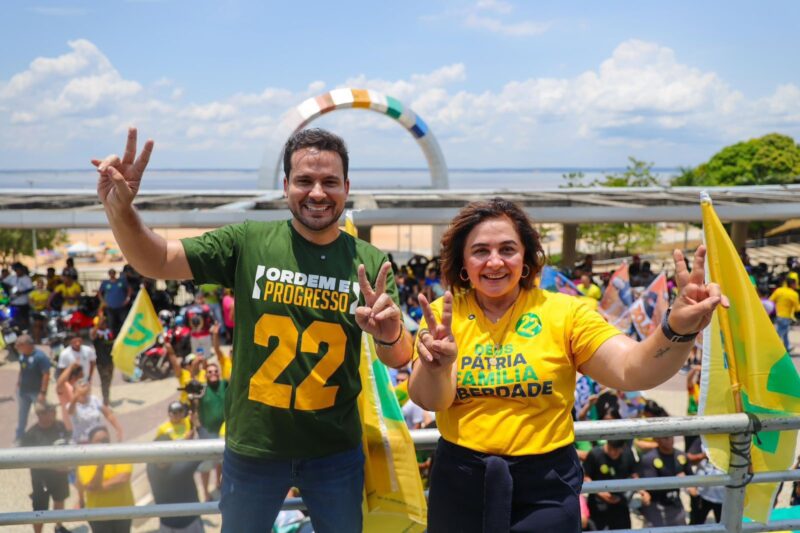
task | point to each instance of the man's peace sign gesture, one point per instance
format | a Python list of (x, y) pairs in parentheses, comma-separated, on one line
[(379, 316), (436, 344), (120, 178), (696, 300)]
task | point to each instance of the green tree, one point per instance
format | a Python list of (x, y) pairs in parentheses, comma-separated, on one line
[(17, 242), (619, 236), (773, 159)]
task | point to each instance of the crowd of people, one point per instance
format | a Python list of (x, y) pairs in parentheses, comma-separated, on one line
[(200, 364), (497, 359)]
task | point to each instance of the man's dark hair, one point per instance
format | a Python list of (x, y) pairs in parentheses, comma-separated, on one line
[(314, 138)]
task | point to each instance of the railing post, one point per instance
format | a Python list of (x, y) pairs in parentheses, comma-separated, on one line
[(739, 470)]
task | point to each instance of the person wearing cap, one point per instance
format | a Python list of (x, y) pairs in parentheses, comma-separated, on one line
[(174, 483), (179, 426), (33, 379), (46, 482), (305, 291)]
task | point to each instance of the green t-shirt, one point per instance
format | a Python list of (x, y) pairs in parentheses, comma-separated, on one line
[(295, 378), (212, 407)]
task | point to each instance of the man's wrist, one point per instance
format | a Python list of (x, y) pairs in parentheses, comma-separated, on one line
[(395, 341)]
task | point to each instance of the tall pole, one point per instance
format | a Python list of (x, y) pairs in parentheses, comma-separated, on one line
[(35, 247)]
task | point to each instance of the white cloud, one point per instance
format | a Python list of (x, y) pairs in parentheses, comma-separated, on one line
[(525, 28), (640, 98)]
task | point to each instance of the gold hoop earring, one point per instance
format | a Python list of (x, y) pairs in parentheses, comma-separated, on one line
[(463, 275), (526, 274)]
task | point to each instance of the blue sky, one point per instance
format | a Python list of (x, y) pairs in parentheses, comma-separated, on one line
[(500, 83)]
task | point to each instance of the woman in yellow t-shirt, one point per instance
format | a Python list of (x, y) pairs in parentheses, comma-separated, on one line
[(106, 486), (497, 362)]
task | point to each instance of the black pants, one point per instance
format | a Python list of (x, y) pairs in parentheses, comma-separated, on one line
[(609, 516), (111, 526), (106, 373), (700, 509), (116, 317), (476, 492)]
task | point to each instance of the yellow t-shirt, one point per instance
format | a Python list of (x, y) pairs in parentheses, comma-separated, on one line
[(592, 291), (185, 378), (38, 299), (117, 496), (515, 380), (786, 302), (225, 366), (70, 295), (174, 431)]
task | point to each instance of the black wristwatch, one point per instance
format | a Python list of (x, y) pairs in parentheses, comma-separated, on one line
[(671, 335)]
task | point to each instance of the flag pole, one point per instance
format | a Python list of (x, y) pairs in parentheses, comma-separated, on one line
[(724, 324)]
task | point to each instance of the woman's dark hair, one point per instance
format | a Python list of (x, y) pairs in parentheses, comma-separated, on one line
[(314, 138), (454, 239), (652, 408)]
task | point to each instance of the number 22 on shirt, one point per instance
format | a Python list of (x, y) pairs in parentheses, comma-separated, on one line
[(311, 394)]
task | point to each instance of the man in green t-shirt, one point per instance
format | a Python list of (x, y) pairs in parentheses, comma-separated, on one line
[(304, 293)]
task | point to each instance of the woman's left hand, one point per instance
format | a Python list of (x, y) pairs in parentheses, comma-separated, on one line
[(696, 300), (379, 316)]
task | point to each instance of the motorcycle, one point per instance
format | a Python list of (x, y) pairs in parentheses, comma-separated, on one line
[(10, 332), (154, 362)]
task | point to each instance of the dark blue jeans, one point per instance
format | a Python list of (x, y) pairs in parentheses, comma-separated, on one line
[(477, 492), (24, 400), (253, 491)]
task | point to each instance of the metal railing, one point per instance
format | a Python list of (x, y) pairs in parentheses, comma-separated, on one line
[(739, 426)]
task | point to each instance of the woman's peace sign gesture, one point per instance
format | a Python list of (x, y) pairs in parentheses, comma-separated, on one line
[(435, 343), (696, 300)]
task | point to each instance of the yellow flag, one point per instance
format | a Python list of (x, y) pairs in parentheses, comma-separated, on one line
[(138, 333), (394, 499), (742, 351)]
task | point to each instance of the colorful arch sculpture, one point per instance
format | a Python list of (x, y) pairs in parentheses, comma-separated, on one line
[(300, 116)]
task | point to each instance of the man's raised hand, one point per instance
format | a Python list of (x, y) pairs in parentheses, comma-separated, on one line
[(379, 316), (435, 344), (119, 179)]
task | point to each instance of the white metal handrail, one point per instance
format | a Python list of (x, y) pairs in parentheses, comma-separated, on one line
[(740, 426)]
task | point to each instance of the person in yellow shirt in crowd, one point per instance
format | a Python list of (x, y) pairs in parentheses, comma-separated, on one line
[(591, 293), (69, 292), (38, 299), (179, 426), (106, 486), (188, 370), (225, 360), (787, 305), (497, 361), (588, 288)]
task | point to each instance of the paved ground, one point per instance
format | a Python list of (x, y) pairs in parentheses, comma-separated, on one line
[(141, 407)]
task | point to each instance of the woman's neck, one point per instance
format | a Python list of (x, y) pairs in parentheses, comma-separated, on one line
[(496, 307)]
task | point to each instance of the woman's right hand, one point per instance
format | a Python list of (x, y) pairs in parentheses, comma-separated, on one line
[(436, 344)]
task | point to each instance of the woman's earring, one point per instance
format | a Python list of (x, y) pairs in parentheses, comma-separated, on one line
[(526, 274), (463, 275)]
